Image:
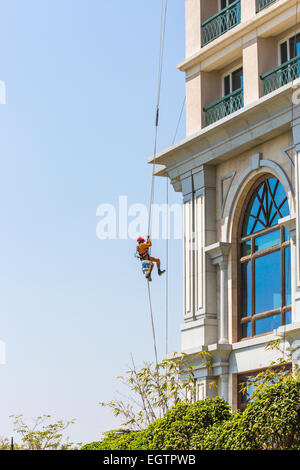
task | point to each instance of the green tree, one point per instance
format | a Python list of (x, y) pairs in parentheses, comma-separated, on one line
[(168, 420), (180, 429), (41, 435), (155, 389)]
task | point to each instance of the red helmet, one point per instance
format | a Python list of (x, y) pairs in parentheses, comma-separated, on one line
[(140, 240)]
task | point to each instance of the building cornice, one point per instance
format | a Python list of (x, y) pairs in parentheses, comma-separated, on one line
[(251, 126)]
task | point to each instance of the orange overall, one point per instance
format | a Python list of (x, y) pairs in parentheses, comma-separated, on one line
[(142, 251)]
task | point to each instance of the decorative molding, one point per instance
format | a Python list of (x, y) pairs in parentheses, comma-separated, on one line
[(218, 252), (224, 193), (289, 224), (188, 267), (245, 178), (286, 153), (199, 258), (255, 124)]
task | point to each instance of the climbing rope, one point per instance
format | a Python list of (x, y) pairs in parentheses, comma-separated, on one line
[(152, 323), (164, 8), (163, 19)]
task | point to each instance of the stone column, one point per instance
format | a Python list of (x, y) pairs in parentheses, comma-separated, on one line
[(219, 256), (248, 10), (224, 381), (199, 193), (296, 138)]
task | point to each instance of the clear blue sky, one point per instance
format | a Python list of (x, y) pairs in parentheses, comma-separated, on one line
[(76, 132)]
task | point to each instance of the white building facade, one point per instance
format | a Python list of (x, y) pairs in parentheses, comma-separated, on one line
[(239, 174)]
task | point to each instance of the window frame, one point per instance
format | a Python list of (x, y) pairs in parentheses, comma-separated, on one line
[(229, 73), (286, 40), (227, 4), (243, 376), (242, 259)]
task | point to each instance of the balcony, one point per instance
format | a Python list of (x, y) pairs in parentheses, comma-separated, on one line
[(281, 75), (264, 4), (224, 107), (221, 22)]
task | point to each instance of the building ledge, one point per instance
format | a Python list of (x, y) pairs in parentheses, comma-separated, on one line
[(253, 125), (289, 332)]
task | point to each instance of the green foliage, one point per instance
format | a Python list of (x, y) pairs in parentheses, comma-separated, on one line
[(155, 389), (42, 435), (168, 421), (114, 440), (270, 421), (184, 425), (180, 428)]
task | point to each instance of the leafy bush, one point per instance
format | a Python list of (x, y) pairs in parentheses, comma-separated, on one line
[(185, 423), (113, 440), (177, 430), (270, 421)]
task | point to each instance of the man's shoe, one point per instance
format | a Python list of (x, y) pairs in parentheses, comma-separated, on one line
[(161, 272)]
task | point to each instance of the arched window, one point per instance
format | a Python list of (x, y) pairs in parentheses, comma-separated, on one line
[(265, 261)]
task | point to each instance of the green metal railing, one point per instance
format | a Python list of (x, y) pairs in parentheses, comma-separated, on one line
[(281, 75), (223, 107), (223, 21), (264, 4)]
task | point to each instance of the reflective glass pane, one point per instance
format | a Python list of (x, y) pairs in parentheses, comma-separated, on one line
[(294, 41), (284, 209), (288, 317), (263, 209), (246, 248), (268, 282), (274, 220), (267, 324), (236, 79), (246, 289), (273, 182), (245, 396), (227, 85), (283, 52), (246, 330), (286, 235), (280, 195), (287, 266), (266, 241)]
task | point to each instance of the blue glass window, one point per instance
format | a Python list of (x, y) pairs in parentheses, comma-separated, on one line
[(267, 241), (268, 204), (265, 274), (246, 267), (287, 267), (265, 325), (268, 282)]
